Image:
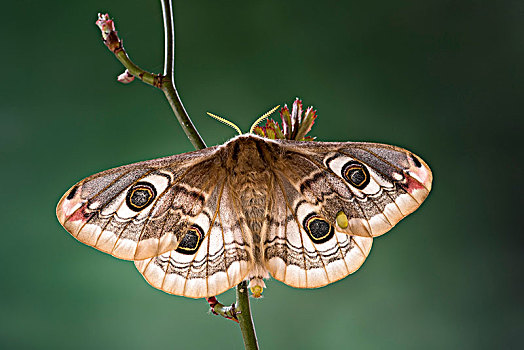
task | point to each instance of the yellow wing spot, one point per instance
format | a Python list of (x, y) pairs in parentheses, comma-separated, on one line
[(342, 219)]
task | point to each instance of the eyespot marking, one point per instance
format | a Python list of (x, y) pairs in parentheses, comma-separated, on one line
[(140, 196), (72, 193), (191, 241), (415, 160), (317, 228), (356, 174)]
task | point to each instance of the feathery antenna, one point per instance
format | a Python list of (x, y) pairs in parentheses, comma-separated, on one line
[(225, 121), (234, 126), (262, 118)]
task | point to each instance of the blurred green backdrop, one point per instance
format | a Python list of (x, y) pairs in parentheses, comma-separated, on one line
[(442, 78)]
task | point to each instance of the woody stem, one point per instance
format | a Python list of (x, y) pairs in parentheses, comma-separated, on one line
[(244, 317)]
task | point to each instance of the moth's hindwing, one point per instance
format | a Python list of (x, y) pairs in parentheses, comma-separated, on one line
[(223, 260), (303, 248)]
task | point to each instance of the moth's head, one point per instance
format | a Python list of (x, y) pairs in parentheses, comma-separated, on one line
[(247, 153)]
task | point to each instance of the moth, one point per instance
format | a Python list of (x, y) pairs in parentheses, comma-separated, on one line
[(198, 223)]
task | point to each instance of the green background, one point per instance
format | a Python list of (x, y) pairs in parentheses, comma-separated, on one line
[(441, 78)]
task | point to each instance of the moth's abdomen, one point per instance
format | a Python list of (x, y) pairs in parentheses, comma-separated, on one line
[(251, 189), (249, 164)]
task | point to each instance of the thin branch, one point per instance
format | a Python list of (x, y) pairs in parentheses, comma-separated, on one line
[(229, 312), (244, 317), (169, 39), (174, 100), (163, 82), (168, 84), (240, 313), (113, 43)]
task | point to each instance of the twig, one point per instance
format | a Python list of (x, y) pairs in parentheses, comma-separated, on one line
[(164, 82), (168, 85), (113, 43), (244, 317), (229, 312), (239, 312)]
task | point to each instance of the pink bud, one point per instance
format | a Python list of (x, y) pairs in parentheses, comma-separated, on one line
[(105, 24), (126, 77)]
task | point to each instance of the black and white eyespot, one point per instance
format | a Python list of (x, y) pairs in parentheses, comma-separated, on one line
[(317, 228), (140, 196), (191, 241), (356, 174)]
